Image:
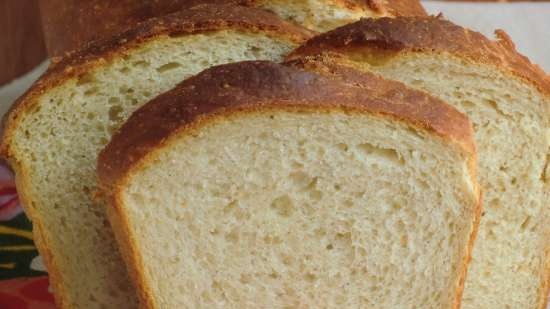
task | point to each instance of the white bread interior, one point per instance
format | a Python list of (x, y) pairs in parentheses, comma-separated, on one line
[(299, 210), (56, 143), (511, 256)]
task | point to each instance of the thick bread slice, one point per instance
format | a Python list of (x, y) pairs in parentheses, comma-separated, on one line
[(254, 185), (53, 134), (69, 23), (507, 98)]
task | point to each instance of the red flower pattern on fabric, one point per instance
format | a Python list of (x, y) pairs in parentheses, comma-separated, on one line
[(28, 293)]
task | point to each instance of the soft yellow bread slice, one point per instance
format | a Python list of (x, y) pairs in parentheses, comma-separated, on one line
[(324, 15), (507, 98), (255, 185), (53, 134)]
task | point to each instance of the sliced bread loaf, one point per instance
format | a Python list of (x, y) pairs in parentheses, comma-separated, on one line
[(54, 133), (255, 185), (70, 23), (507, 98)]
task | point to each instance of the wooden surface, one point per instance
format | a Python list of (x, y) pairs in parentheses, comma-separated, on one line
[(21, 42)]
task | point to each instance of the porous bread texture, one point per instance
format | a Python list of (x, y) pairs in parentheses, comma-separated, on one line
[(319, 15), (325, 15), (300, 210), (511, 258), (510, 261), (263, 189), (54, 142)]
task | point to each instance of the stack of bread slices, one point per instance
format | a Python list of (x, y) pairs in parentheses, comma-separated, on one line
[(225, 154)]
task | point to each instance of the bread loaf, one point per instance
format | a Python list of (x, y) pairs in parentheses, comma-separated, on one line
[(507, 98), (54, 133), (71, 23), (254, 185)]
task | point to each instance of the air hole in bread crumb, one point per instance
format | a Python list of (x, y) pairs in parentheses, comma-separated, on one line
[(256, 51), (115, 113), (468, 105), (35, 109), (85, 79), (525, 223), (141, 64), (230, 207), (378, 153), (232, 236), (283, 206), (91, 91), (545, 176), (245, 278), (310, 277), (300, 179), (168, 67), (342, 147), (395, 207)]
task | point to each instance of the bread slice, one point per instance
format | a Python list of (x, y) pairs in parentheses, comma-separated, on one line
[(507, 98), (54, 133), (70, 23), (324, 15), (255, 185)]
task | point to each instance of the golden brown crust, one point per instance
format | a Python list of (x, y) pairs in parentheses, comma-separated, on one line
[(70, 23), (40, 241), (545, 293), (463, 270), (201, 18), (391, 36), (127, 246), (263, 86)]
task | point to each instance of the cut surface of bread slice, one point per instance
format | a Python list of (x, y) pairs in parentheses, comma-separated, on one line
[(324, 15), (507, 98), (255, 185), (70, 23), (54, 133)]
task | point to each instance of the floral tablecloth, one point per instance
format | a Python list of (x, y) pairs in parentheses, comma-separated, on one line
[(23, 281)]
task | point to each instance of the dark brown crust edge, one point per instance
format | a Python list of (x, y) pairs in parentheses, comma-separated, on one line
[(263, 87), (201, 18), (387, 37), (69, 23)]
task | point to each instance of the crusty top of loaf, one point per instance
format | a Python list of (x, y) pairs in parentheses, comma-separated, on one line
[(388, 37), (260, 86), (201, 18), (69, 23)]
